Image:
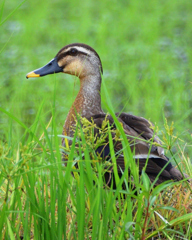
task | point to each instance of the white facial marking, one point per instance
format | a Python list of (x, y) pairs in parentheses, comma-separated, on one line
[(80, 49)]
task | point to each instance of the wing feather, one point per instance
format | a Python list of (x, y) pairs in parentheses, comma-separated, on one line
[(139, 132)]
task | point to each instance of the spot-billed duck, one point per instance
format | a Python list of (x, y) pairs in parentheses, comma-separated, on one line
[(83, 61)]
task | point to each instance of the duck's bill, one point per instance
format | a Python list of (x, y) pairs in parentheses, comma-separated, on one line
[(50, 68)]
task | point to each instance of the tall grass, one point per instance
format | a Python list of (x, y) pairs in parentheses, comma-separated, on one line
[(146, 53), (40, 199)]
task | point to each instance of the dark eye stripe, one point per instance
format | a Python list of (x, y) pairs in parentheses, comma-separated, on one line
[(62, 55), (73, 51)]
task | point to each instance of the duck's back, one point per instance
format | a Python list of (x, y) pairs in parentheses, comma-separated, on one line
[(145, 146)]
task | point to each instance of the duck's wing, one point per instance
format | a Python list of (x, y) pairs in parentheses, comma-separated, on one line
[(141, 137), (143, 129)]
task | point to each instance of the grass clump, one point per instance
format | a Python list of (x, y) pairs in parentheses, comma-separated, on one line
[(40, 199), (145, 49)]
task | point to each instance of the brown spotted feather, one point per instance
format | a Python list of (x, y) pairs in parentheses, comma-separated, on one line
[(83, 61)]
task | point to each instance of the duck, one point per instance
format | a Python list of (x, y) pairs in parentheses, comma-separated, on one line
[(83, 61)]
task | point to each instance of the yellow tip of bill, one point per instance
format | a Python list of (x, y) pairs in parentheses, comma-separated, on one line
[(32, 74)]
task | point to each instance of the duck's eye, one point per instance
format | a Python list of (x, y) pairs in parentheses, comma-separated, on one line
[(73, 52)]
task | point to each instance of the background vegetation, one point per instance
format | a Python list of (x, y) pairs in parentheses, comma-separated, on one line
[(145, 48)]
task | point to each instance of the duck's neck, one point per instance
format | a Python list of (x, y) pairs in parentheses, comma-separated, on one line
[(87, 102)]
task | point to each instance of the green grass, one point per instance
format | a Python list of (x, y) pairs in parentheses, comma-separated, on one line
[(146, 50)]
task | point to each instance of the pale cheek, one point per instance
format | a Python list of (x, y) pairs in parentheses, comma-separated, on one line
[(70, 70), (74, 68)]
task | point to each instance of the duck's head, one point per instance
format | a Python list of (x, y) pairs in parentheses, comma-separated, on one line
[(76, 59)]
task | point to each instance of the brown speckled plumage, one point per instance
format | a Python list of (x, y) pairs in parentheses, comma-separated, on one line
[(82, 61)]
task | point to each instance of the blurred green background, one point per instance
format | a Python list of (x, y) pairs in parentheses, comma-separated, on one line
[(145, 48)]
